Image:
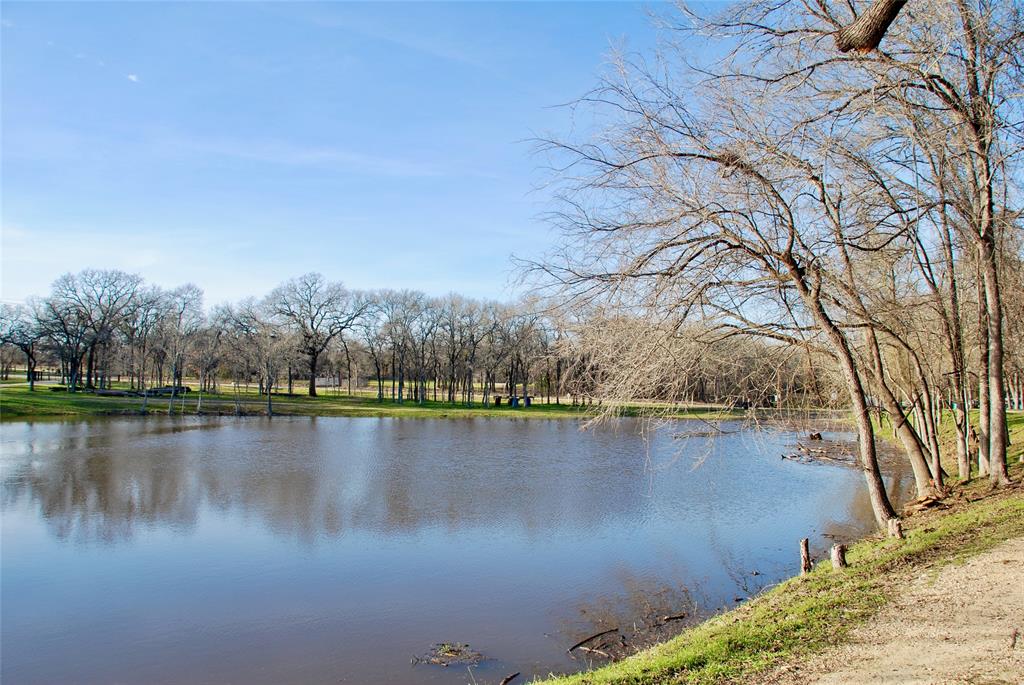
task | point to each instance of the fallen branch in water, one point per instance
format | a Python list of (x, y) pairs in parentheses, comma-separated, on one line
[(676, 617), (509, 678), (833, 453), (606, 655), (595, 635)]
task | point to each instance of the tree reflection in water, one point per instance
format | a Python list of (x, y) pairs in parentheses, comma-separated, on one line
[(235, 537)]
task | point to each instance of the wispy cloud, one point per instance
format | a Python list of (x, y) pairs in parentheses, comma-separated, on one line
[(298, 154), (134, 78), (430, 45), (56, 144)]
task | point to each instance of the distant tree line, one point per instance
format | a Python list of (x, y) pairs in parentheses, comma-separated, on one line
[(98, 327)]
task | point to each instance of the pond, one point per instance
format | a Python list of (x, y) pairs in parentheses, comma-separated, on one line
[(335, 550)]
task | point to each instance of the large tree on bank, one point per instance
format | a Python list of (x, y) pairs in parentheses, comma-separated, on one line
[(782, 192)]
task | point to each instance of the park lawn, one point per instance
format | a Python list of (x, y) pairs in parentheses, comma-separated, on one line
[(19, 403), (947, 438), (1015, 423)]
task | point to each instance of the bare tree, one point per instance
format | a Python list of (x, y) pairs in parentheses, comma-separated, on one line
[(19, 327), (319, 312), (66, 325), (183, 319), (137, 328), (254, 334), (102, 296), (730, 215), (948, 85)]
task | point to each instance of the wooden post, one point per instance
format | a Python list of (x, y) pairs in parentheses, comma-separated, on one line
[(805, 557), (838, 557), (896, 528)]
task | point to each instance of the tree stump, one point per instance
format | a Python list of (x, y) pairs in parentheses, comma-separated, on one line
[(838, 555), (805, 557), (896, 529)]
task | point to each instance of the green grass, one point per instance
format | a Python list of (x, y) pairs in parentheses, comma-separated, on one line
[(1015, 423), (947, 437), (19, 403), (806, 614)]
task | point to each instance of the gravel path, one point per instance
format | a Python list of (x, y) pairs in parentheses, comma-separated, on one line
[(953, 626)]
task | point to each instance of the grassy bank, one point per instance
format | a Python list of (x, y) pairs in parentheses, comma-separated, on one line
[(18, 403), (806, 614), (948, 437)]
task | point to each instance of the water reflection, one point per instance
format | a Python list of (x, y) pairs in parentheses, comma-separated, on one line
[(327, 550), (383, 476), (646, 611)]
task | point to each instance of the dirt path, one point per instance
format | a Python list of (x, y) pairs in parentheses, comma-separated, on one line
[(953, 626)]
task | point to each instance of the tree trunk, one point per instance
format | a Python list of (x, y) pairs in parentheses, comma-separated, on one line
[(380, 380), (89, 382), (983, 381), (558, 381), (199, 403), (174, 387), (866, 32), (312, 373), (30, 362), (526, 381), (997, 396), (401, 382), (933, 439), (348, 364), (907, 434), (877, 495), (960, 418)]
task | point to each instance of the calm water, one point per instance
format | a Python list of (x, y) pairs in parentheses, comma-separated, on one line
[(299, 550)]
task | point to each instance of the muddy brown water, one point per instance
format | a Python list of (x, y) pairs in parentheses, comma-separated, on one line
[(334, 550)]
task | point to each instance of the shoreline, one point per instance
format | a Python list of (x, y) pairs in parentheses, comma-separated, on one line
[(806, 616), (18, 403), (798, 618)]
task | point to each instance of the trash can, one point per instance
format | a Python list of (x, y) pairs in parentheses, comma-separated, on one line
[(497, 400), (527, 400), (513, 402)]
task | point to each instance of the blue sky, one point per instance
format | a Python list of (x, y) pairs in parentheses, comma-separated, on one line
[(234, 145)]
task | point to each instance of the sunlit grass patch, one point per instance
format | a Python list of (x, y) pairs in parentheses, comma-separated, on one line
[(18, 402)]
